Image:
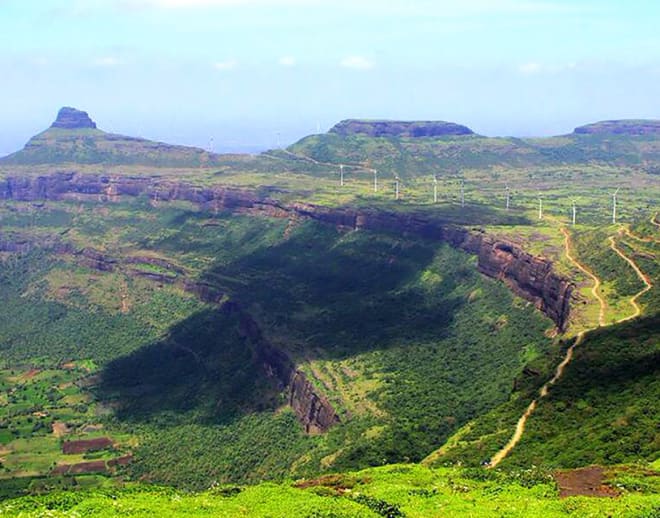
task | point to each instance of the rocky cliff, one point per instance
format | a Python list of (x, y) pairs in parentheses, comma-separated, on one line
[(310, 407), (70, 118), (533, 278), (386, 128)]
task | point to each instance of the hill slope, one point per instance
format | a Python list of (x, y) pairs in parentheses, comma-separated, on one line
[(74, 139)]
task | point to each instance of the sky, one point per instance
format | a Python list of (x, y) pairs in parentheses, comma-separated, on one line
[(246, 75)]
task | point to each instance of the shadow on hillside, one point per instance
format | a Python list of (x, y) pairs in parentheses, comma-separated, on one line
[(322, 289), (614, 356), (205, 369)]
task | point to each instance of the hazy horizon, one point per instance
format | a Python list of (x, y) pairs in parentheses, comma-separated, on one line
[(245, 71)]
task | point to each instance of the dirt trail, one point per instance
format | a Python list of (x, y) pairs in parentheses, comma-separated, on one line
[(654, 220), (640, 238), (125, 302), (640, 274), (543, 392), (520, 426), (316, 162), (581, 267)]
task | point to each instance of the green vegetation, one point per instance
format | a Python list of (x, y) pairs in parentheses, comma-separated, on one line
[(145, 321), (391, 492)]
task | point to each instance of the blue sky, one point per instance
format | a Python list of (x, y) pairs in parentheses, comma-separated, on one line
[(244, 71)]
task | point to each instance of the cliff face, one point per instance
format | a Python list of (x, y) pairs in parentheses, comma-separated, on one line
[(387, 128), (312, 409), (533, 278), (70, 118)]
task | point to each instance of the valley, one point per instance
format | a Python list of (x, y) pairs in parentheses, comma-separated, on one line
[(247, 319)]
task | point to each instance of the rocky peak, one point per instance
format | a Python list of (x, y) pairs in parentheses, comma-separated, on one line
[(70, 118), (387, 128)]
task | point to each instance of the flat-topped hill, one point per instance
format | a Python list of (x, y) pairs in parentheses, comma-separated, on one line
[(621, 127), (388, 128), (75, 138)]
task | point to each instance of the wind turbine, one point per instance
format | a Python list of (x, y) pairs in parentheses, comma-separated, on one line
[(540, 206), (211, 145), (375, 180), (462, 192), (574, 212), (508, 197), (396, 187), (614, 206), (341, 175), (435, 188)]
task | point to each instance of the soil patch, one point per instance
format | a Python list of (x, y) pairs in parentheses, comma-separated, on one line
[(583, 482), (60, 429), (87, 445)]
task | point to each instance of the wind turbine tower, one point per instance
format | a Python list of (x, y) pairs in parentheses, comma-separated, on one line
[(375, 180), (462, 193), (614, 206), (341, 175), (574, 212), (540, 207), (396, 187), (508, 197), (435, 188)]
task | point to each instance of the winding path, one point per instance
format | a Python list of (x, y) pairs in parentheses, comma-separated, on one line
[(654, 221), (586, 271), (640, 274), (545, 389)]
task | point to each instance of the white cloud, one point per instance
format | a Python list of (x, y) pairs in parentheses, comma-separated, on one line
[(229, 64), (188, 4), (287, 61), (533, 68), (530, 68), (357, 63), (108, 61), (444, 8)]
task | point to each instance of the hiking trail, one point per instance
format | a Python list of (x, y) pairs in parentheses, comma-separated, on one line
[(545, 389)]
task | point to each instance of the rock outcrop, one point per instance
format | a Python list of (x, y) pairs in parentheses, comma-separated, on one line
[(70, 118), (312, 409), (387, 128), (631, 127)]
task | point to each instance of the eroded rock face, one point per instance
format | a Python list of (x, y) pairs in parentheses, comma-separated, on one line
[(532, 278), (312, 409), (387, 128), (70, 118)]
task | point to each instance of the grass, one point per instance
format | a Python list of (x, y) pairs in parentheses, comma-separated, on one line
[(35, 403), (392, 491)]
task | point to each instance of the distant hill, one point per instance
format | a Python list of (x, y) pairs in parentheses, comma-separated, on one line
[(387, 128), (621, 127), (421, 148), (75, 138)]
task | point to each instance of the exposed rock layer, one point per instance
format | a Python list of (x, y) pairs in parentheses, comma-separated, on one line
[(533, 278), (70, 118), (312, 409)]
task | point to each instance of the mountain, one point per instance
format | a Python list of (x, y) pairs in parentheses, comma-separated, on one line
[(263, 322), (621, 127), (74, 138), (388, 128), (412, 149)]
